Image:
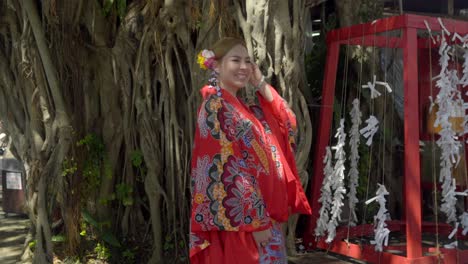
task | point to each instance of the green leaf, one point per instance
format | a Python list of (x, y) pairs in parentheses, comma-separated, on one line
[(89, 219), (107, 6), (181, 244), (121, 8), (137, 158), (128, 254), (32, 244), (103, 201), (128, 201), (83, 233), (58, 238), (110, 238), (124, 193)]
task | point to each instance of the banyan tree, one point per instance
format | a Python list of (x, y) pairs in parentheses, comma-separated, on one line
[(99, 99)]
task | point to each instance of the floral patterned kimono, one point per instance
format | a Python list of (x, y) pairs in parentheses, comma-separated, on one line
[(239, 184)]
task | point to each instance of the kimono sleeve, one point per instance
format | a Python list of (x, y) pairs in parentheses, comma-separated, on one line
[(284, 116), (286, 120)]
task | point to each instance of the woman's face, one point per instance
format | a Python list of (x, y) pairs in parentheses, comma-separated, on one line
[(235, 69)]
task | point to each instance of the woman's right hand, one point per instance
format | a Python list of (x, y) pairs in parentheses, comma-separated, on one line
[(263, 237)]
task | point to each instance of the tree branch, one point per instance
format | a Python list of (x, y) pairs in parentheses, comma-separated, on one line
[(47, 63)]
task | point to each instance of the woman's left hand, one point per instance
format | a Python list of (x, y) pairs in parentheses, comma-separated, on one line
[(257, 75), (258, 81)]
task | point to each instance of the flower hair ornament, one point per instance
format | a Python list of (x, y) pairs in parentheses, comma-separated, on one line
[(206, 59)]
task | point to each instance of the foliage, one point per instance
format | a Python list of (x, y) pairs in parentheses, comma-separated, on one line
[(119, 6), (128, 256), (137, 158), (102, 242), (32, 245), (94, 162), (171, 245), (124, 193), (316, 58), (101, 229), (102, 251), (69, 167), (58, 238), (370, 10)]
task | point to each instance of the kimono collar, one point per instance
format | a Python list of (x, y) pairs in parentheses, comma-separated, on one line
[(209, 90), (206, 91)]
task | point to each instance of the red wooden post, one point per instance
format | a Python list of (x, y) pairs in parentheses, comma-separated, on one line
[(412, 170), (325, 121)]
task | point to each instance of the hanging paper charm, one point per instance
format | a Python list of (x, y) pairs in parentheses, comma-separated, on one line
[(354, 158), (381, 231), (370, 130), (337, 182), (326, 195), (448, 101), (371, 87)]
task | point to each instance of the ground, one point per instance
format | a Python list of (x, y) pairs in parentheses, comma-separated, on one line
[(13, 230), (319, 257)]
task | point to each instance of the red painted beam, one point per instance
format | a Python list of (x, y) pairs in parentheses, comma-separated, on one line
[(416, 21), (325, 121), (381, 25), (395, 23), (412, 174), (368, 253), (377, 41)]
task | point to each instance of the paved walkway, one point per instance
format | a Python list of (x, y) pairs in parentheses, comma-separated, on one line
[(319, 257), (13, 230)]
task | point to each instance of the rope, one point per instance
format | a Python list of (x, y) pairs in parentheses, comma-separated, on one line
[(461, 92), (384, 113), (349, 215), (371, 146)]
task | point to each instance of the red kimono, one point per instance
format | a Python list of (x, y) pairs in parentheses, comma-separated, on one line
[(239, 183), (280, 125)]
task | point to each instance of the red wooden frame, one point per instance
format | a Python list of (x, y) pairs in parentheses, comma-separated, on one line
[(370, 34)]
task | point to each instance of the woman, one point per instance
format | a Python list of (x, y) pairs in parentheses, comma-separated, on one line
[(244, 183)]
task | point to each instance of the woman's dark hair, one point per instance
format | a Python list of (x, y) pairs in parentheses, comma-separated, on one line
[(224, 45)]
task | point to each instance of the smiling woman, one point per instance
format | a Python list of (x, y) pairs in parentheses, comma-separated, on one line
[(244, 179)]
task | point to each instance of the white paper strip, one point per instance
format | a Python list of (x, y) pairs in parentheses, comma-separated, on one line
[(381, 231), (371, 87), (353, 174), (370, 130), (326, 195), (450, 104), (337, 182)]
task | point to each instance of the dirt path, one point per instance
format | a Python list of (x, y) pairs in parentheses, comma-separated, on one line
[(13, 230)]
